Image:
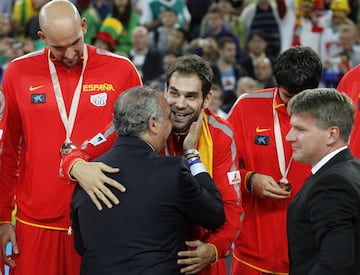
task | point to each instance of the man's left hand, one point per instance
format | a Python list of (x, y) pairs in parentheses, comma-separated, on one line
[(195, 260)]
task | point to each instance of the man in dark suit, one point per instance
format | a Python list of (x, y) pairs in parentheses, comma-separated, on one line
[(143, 234), (324, 217)]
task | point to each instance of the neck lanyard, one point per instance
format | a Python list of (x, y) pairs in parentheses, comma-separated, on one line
[(279, 145), (68, 121)]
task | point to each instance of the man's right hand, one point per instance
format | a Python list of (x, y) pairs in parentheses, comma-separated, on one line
[(92, 179), (7, 235), (266, 187)]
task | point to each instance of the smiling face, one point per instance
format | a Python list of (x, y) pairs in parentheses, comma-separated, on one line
[(185, 98)]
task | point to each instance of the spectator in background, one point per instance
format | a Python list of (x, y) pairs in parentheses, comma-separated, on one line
[(123, 11), (146, 61), (330, 44), (5, 31), (217, 100), (109, 31), (246, 84), (308, 24), (218, 29), (263, 15), (178, 41), (150, 17), (338, 65), (232, 21), (22, 12), (255, 50), (264, 73), (206, 47), (159, 38), (159, 82), (94, 14), (197, 9), (227, 71), (349, 45), (32, 26)]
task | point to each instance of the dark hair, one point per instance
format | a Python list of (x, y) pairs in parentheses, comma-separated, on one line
[(224, 40), (258, 33), (297, 69), (123, 17), (192, 64)]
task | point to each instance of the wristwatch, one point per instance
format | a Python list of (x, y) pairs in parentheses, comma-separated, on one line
[(191, 151)]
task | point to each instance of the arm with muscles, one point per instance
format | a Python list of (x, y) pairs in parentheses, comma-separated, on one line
[(218, 243)]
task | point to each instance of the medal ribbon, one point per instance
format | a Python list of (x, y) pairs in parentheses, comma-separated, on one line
[(279, 145), (68, 122)]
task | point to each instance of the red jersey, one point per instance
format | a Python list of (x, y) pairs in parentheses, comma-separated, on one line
[(262, 243), (350, 85), (224, 162), (34, 132)]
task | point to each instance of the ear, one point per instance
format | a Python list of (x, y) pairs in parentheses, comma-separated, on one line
[(207, 99), (42, 36), (165, 90), (333, 134), (153, 126), (83, 25)]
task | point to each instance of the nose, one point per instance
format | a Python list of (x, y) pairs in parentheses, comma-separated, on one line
[(70, 53), (290, 137), (180, 102)]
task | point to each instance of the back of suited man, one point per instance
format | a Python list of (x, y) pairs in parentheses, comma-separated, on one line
[(143, 234)]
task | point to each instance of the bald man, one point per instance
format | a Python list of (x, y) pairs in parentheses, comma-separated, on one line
[(55, 99)]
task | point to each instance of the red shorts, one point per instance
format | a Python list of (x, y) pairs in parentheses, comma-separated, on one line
[(44, 251)]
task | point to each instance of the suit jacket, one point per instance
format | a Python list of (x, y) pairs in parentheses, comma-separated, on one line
[(143, 234), (324, 220)]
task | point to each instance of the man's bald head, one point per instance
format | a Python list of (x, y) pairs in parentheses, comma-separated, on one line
[(58, 15), (63, 30)]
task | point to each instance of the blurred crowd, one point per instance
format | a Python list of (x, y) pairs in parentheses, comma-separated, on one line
[(240, 38)]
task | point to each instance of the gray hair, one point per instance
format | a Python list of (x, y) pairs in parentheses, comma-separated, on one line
[(328, 106), (134, 108)]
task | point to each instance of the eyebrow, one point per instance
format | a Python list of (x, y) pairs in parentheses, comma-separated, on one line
[(72, 44), (172, 88)]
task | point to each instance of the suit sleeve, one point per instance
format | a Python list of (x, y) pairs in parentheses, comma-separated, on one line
[(200, 200), (333, 207)]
